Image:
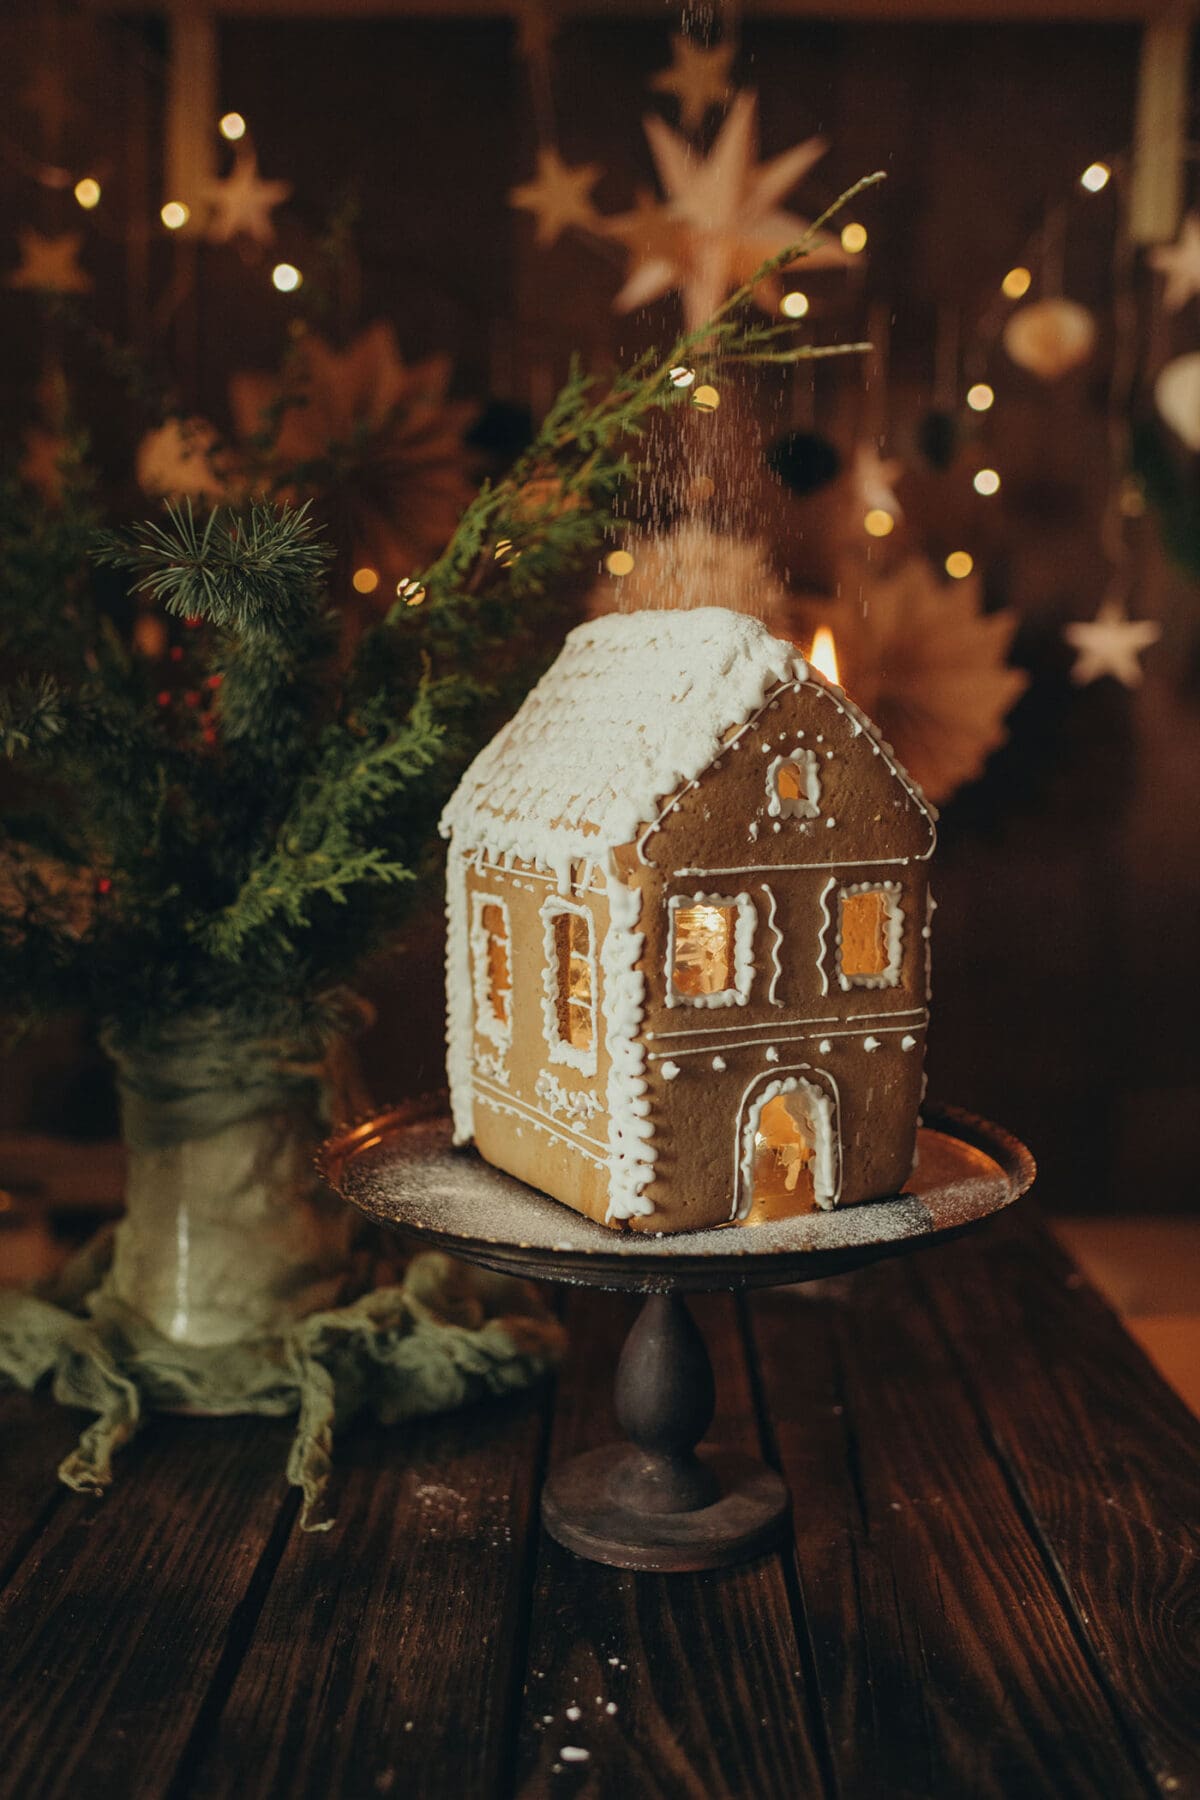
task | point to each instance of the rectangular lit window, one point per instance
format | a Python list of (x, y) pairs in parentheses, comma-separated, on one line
[(576, 1002), (570, 985), (870, 932), (492, 968), (709, 958)]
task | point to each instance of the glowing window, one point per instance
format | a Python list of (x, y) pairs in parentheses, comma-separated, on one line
[(870, 930), (794, 786), (576, 1002), (570, 985), (492, 968), (709, 958)]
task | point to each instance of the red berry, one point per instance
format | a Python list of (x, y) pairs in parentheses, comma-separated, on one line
[(104, 885), (164, 699)]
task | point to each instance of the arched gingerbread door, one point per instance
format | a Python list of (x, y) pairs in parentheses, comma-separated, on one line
[(788, 1145)]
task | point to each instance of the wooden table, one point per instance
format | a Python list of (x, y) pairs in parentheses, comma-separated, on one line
[(993, 1592)]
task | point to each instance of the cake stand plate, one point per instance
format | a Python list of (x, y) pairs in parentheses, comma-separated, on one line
[(657, 1501)]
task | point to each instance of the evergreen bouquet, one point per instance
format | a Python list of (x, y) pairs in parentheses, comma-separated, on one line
[(204, 864)]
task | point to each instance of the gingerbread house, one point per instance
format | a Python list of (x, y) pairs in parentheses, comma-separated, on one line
[(688, 944)]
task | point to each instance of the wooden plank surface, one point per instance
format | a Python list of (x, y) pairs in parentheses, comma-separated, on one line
[(34, 1437), (388, 1654), (114, 1622), (673, 1685), (1104, 1461), (942, 1652)]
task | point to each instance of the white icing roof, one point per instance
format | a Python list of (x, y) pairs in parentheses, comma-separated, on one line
[(635, 706)]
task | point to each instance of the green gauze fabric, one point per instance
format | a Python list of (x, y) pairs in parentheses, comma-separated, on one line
[(447, 1335)]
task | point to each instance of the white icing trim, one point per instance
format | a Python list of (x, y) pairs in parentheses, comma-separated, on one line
[(826, 922), (778, 1025), (927, 934), (808, 804), (492, 1064), (893, 935), (574, 1104), (827, 1147), (487, 1024), (560, 1049), (757, 1043), (777, 948), (743, 950), (632, 1154), (841, 862), (529, 1115), (460, 1036)]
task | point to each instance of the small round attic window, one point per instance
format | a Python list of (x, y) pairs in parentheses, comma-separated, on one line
[(794, 786)]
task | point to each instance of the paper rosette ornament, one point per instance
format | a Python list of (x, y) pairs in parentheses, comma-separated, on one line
[(374, 441), (1177, 397), (1050, 337), (927, 665)]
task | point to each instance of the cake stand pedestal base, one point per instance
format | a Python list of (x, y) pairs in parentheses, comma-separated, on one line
[(655, 1502)]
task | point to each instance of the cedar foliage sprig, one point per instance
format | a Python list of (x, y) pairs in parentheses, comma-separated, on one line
[(237, 840)]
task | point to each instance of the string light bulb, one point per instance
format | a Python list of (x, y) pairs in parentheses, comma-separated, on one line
[(175, 215), (854, 239), (1016, 283), (981, 397), (365, 580), (505, 553), (879, 523), (681, 376), (232, 126), (619, 562), (87, 192), (794, 305), (286, 277), (959, 564), (706, 399), (412, 591), (1096, 176), (987, 481)]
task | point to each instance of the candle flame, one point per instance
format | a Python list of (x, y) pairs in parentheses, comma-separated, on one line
[(823, 655)]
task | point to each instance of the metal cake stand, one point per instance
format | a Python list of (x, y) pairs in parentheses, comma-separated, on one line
[(658, 1501)]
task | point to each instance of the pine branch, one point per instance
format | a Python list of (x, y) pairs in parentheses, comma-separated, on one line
[(244, 572)]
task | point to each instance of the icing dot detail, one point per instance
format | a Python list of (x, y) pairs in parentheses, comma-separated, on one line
[(824, 1046), (772, 1053), (872, 1043), (830, 823), (908, 1041), (719, 1063), (669, 1071)]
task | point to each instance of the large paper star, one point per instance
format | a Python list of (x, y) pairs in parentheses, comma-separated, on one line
[(1180, 263), (558, 196), (48, 264), (242, 203), (698, 77), (1110, 645), (875, 478), (728, 206), (658, 245)]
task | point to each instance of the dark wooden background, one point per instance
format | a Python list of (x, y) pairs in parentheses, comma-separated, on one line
[(1067, 949)]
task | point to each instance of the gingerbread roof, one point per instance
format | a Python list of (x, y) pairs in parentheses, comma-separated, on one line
[(635, 706)]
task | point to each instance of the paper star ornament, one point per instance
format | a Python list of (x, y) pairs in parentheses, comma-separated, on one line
[(49, 264), (875, 479), (1180, 263), (242, 204), (658, 244), (1111, 645), (558, 196), (727, 205), (699, 79)]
